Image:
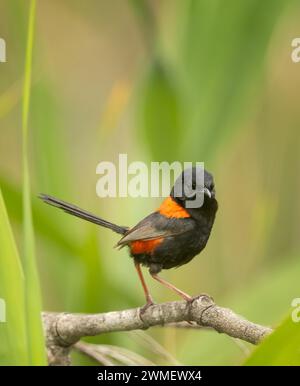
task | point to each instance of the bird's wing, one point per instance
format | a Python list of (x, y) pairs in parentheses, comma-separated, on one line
[(155, 226)]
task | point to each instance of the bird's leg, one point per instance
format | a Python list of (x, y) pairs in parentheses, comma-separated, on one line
[(171, 286), (149, 300)]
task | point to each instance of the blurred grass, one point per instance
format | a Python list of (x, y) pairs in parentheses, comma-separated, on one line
[(224, 45), (33, 308), (211, 81), (160, 108), (13, 349)]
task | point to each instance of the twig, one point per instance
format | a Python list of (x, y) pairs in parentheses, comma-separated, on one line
[(120, 355), (88, 350), (148, 342)]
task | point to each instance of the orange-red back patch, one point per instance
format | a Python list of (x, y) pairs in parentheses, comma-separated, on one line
[(170, 208), (144, 246)]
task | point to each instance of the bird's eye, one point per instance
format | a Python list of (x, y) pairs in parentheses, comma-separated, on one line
[(212, 186)]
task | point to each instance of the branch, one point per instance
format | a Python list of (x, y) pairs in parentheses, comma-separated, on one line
[(63, 330)]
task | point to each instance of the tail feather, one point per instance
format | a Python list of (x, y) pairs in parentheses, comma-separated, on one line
[(75, 211)]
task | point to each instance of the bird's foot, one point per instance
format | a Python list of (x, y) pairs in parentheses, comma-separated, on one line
[(145, 307), (202, 295), (190, 300)]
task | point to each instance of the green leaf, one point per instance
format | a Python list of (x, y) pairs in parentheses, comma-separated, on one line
[(13, 348), (160, 114), (223, 57), (36, 345), (281, 348)]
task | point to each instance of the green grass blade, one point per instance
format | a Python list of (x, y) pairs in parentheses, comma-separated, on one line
[(35, 338), (13, 350), (281, 348)]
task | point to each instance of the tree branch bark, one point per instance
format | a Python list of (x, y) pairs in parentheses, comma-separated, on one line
[(63, 330)]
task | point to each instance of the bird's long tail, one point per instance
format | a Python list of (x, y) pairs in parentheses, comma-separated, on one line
[(75, 211)]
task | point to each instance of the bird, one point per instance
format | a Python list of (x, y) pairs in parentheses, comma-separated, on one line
[(169, 237)]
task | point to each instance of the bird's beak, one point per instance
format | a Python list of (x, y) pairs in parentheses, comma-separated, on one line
[(207, 192)]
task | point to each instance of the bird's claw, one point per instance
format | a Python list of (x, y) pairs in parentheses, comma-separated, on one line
[(203, 295), (192, 298), (145, 307)]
